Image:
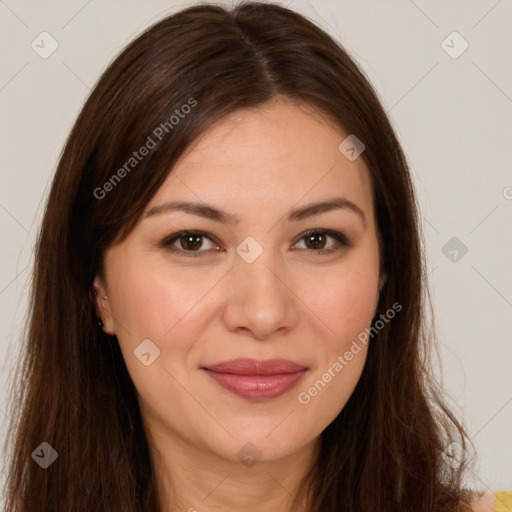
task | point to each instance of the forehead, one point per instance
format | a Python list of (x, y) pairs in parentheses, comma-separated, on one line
[(280, 154)]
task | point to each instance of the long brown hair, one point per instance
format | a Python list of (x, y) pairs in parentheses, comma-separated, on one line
[(384, 450)]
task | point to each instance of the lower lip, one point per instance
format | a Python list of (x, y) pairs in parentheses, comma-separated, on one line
[(259, 388)]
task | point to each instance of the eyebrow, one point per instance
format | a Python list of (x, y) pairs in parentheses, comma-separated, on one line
[(294, 215)]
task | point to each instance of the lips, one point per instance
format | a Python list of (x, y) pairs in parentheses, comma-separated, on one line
[(256, 367), (257, 380)]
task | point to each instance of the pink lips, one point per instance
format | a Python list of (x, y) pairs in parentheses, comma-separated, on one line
[(257, 380)]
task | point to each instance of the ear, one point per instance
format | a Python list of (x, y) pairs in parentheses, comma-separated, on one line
[(382, 281), (103, 309)]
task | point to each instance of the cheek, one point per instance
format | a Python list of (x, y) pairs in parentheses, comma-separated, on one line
[(346, 306), (154, 302), (169, 309), (346, 303), (356, 303)]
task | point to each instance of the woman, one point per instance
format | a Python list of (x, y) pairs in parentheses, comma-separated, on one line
[(228, 292)]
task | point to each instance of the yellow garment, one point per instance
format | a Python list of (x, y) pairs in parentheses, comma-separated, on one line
[(503, 502)]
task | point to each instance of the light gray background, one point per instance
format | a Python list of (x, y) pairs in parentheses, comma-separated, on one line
[(453, 117)]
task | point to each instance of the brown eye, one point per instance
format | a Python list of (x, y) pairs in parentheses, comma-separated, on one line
[(315, 241), (191, 242), (318, 241)]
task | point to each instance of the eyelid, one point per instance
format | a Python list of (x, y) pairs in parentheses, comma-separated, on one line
[(169, 240), (340, 238)]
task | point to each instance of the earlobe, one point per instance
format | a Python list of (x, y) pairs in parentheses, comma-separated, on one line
[(382, 281), (102, 306)]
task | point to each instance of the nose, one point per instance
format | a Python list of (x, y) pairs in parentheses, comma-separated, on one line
[(260, 301)]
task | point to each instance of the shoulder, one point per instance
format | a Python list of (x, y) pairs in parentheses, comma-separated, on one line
[(483, 502), (488, 502)]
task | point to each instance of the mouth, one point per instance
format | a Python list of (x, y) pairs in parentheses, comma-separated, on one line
[(257, 380)]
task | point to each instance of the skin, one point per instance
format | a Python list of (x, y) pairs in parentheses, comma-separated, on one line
[(290, 303), (484, 503)]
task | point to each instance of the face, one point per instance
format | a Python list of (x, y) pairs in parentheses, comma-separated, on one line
[(266, 278)]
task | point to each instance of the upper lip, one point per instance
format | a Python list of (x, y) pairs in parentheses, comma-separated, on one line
[(246, 366)]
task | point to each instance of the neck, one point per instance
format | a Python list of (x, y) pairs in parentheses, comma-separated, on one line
[(190, 479)]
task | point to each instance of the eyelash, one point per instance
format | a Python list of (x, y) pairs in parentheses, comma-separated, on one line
[(341, 239)]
